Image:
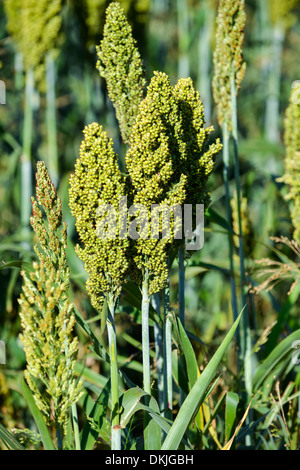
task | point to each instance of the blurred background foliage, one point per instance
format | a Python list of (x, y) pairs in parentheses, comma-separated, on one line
[(177, 37)]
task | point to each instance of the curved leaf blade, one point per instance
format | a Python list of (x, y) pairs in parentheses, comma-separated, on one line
[(195, 398)]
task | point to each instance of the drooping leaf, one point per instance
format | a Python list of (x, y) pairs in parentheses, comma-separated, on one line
[(195, 398)]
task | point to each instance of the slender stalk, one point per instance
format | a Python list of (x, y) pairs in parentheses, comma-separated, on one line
[(204, 54), (167, 364), (59, 438), (158, 339), (246, 333), (272, 117), (146, 352), (245, 337), (26, 165), (76, 427), (112, 340), (181, 295), (168, 341), (52, 161), (181, 284), (183, 38), (226, 160), (145, 333)]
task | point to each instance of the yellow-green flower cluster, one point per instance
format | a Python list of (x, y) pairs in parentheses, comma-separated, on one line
[(47, 316), (228, 59), (151, 170), (195, 158), (97, 181), (121, 66), (35, 25), (292, 157), (168, 164)]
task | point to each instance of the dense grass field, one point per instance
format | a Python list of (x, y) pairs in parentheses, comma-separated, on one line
[(140, 342)]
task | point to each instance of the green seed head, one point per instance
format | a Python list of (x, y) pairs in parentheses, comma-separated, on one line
[(97, 181), (121, 66), (292, 157), (228, 59), (47, 315)]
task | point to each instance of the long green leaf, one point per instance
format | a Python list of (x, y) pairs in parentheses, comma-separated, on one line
[(38, 417), (195, 398), (15, 264), (276, 361), (96, 412), (9, 439), (232, 400)]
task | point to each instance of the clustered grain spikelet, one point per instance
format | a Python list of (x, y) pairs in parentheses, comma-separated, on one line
[(291, 176), (47, 316), (228, 59), (168, 164), (121, 66), (98, 181)]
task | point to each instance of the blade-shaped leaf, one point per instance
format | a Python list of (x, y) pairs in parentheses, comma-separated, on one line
[(38, 417), (9, 439), (195, 398), (276, 361), (232, 400)]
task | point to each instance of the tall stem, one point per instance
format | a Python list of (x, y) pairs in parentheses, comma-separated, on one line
[(145, 333), (204, 55), (167, 341), (245, 338), (246, 333), (169, 376), (226, 161), (272, 118), (26, 165), (52, 161), (158, 339), (114, 378), (75, 426), (183, 38), (181, 284)]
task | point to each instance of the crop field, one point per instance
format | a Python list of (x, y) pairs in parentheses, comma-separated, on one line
[(149, 227)]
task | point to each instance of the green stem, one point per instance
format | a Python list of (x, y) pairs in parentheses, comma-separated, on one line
[(168, 341), (26, 165), (204, 56), (226, 160), (52, 161), (112, 340), (167, 364), (272, 118), (59, 438), (145, 333), (245, 337), (76, 426), (181, 284), (158, 339), (246, 333), (183, 38)]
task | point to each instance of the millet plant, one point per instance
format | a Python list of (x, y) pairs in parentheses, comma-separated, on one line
[(120, 276)]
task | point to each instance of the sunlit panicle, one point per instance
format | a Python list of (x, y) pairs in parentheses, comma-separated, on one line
[(97, 181), (47, 315), (291, 176), (121, 66), (228, 58)]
